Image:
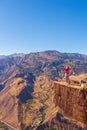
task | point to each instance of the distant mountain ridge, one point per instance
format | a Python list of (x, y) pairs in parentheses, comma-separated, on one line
[(2, 56), (12, 55), (50, 63), (48, 52)]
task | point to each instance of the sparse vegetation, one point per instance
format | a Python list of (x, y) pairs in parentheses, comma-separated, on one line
[(25, 109), (43, 115), (3, 126), (28, 104), (51, 129), (45, 105), (23, 126)]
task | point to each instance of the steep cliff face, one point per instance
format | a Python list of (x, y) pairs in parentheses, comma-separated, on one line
[(71, 103), (72, 100)]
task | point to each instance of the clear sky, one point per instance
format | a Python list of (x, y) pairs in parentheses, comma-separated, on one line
[(37, 25)]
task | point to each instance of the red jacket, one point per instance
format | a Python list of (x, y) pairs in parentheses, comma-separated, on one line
[(67, 70)]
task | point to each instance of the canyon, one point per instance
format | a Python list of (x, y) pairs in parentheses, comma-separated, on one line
[(27, 100)]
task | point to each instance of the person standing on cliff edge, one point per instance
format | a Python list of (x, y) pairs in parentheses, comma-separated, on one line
[(67, 71)]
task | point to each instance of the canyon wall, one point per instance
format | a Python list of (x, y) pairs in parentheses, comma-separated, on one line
[(72, 100)]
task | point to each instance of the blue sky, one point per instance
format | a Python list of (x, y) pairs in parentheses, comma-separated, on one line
[(37, 25)]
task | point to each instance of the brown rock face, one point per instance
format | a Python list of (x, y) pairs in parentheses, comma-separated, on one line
[(72, 100)]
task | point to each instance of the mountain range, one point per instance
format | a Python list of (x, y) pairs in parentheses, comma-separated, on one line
[(25, 89)]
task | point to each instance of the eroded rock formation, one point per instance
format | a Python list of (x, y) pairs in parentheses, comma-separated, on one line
[(72, 100)]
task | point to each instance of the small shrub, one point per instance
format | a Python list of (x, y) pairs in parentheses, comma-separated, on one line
[(43, 115), (28, 103)]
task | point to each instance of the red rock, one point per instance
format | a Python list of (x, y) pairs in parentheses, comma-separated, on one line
[(72, 100)]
